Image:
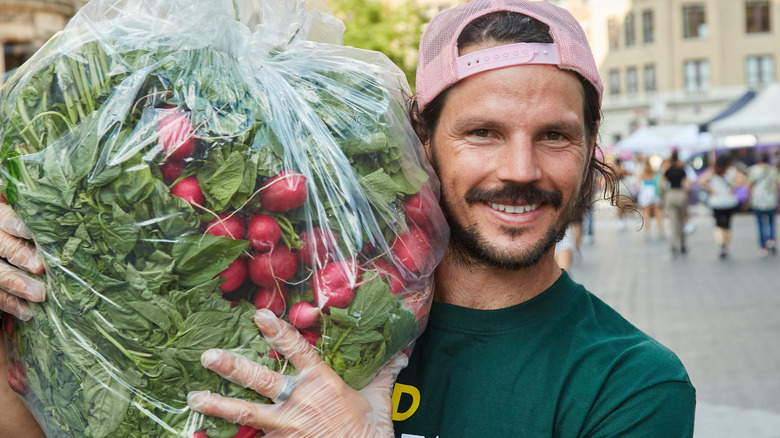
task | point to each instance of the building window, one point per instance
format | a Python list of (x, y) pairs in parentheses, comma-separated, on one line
[(648, 27), (697, 75), (614, 82), (760, 70), (694, 22), (632, 82), (612, 31), (757, 16), (15, 54), (650, 78), (628, 27)]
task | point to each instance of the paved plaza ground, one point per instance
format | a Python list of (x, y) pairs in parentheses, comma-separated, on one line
[(721, 317)]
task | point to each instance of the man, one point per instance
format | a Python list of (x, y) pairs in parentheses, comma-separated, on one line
[(514, 347)]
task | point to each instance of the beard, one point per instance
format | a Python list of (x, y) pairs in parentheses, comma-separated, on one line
[(470, 248)]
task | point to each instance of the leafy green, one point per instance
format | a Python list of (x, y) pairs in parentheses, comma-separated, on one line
[(132, 278)]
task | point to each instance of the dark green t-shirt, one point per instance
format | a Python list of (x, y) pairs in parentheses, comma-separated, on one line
[(563, 364)]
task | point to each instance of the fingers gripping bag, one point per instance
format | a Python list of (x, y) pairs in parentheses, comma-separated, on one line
[(181, 163)]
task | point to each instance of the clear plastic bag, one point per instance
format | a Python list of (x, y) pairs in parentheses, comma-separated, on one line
[(181, 163)]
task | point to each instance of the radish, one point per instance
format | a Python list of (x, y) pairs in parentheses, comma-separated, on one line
[(265, 269), (303, 314), (273, 354), (172, 169), (390, 273), (413, 250), (189, 190), (419, 208), (285, 191), (200, 434), (176, 135), (246, 432), (311, 336), (17, 377), (263, 232), (334, 285), (271, 298), (227, 225), (316, 245), (418, 306), (235, 275)]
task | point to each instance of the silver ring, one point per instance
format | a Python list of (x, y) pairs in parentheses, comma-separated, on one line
[(284, 394)]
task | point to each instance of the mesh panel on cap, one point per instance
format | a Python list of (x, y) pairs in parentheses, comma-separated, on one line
[(436, 68)]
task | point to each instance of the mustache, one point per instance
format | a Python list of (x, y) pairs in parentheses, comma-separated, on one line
[(512, 193)]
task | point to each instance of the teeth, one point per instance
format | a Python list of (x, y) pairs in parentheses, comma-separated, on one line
[(514, 209)]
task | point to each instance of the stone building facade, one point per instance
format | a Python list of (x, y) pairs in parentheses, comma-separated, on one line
[(25, 25)]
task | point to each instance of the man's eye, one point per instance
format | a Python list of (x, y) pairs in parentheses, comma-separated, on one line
[(480, 132), (553, 136)]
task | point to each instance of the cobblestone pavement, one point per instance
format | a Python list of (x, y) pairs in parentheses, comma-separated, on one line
[(721, 317)]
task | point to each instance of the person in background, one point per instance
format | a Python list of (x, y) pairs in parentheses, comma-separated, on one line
[(566, 248), (676, 198), (721, 181), (624, 176), (762, 178), (649, 197)]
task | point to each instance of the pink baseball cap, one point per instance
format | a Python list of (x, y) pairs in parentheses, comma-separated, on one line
[(439, 66)]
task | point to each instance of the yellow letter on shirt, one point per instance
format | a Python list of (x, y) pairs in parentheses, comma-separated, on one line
[(399, 390)]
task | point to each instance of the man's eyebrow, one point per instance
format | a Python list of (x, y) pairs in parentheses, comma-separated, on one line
[(563, 125)]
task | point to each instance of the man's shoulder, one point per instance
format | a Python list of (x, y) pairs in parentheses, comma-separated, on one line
[(620, 345)]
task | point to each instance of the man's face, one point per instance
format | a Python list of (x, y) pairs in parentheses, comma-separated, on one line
[(510, 151)]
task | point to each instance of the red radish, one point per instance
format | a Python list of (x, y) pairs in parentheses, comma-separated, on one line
[(334, 285), (200, 434), (271, 298), (392, 274), (235, 275), (311, 336), (273, 354), (316, 246), (227, 225), (419, 208), (418, 306), (266, 269), (285, 191), (17, 377), (189, 190), (303, 314), (246, 432), (176, 135), (172, 169), (263, 232), (413, 250)]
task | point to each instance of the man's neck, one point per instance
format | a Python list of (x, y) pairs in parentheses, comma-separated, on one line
[(490, 288)]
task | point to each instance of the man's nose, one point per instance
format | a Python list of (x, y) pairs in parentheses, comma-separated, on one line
[(519, 162)]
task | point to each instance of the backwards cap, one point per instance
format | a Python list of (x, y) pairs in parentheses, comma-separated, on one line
[(439, 66)]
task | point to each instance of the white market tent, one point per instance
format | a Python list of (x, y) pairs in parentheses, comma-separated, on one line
[(662, 139), (760, 116)]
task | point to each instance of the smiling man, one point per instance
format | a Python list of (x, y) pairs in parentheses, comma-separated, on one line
[(508, 110)]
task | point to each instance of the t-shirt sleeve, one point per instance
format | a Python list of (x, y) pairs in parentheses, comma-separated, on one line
[(662, 410)]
